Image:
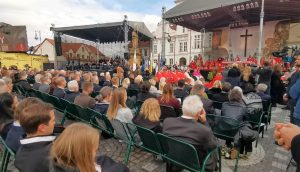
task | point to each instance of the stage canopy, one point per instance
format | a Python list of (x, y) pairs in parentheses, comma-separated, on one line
[(106, 32), (211, 14)]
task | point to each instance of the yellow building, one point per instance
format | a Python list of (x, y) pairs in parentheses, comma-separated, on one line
[(21, 59)]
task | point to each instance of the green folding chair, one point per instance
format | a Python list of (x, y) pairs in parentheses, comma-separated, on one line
[(7, 154), (148, 139), (56, 103), (77, 112), (267, 109), (255, 119), (122, 133), (100, 122), (182, 154), (224, 128)]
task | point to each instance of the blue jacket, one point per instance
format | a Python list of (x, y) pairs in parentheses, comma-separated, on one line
[(14, 136), (295, 94)]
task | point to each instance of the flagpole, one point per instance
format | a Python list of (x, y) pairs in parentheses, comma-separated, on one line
[(261, 31)]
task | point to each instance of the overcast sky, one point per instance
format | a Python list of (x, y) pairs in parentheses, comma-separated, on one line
[(40, 14)]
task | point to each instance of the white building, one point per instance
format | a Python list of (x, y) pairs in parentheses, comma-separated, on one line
[(181, 44)]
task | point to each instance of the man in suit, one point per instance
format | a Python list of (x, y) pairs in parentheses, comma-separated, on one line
[(223, 96), (95, 81), (33, 154), (84, 99), (187, 128), (23, 81), (199, 90), (59, 91)]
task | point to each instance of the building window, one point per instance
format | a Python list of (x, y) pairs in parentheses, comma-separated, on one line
[(171, 47), (71, 55), (210, 39), (197, 42), (78, 56), (183, 29), (145, 52), (155, 49), (171, 61), (185, 46), (82, 56), (155, 61), (82, 49), (180, 47)]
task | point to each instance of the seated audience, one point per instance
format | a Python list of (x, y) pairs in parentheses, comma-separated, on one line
[(45, 84), (8, 103), (168, 98), (144, 92), (115, 82), (107, 81), (84, 99), (125, 83), (180, 92), (235, 108), (37, 83), (101, 79), (188, 129), (72, 92), (95, 81), (9, 84), (59, 91), (199, 90), (217, 87), (38, 122), (22, 81), (117, 108), (76, 150), (137, 82), (223, 95), (149, 115), (261, 91), (16, 132), (103, 99), (3, 87), (153, 89)]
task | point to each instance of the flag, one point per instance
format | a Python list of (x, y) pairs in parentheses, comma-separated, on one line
[(151, 65), (134, 61)]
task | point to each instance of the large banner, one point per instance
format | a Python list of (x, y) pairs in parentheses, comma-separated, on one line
[(13, 38)]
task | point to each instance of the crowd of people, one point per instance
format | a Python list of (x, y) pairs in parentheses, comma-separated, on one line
[(28, 125)]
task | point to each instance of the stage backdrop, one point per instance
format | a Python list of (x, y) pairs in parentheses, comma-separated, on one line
[(13, 38)]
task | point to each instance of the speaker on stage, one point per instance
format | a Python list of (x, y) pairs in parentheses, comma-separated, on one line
[(126, 56), (57, 42)]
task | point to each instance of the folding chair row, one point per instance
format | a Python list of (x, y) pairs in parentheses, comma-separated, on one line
[(170, 149), (6, 155)]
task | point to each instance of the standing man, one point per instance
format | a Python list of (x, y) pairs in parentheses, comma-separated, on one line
[(265, 73)]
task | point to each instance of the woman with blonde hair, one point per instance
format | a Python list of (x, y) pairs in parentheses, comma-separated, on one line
[(117, 108), (168, 98), (125, 83), (247, 77), (149, 115), (75, 150)]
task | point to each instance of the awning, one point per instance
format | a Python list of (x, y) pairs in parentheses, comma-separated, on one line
[(106, 32), (211, 14)]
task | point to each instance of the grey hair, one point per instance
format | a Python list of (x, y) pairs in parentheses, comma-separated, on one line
[(2, 86), (192, 105), (73, 85), (37, 78), (196, 89), (262, 87)]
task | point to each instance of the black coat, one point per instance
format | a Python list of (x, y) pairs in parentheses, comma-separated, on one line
[(70, 96), (59, 92), (234, 72), (145, 96), (295, 149), (234, 110), (180, 93), (24, 84), (264, 75), (141, 121), (220, 97)]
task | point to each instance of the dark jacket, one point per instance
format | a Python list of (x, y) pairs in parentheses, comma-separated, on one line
[(180, 93), (264, 75), (106, 163), (24, 84), (207, 105), (173, 102), (107, 83), (234, 110), (70, 96), (145, 96), (195, 133), (14, 136), (295, 149), (96, 88), (264, 97), (133, 86), (141, 121), (220, 97), (101, 107), (234, 72), (59, 93), (33, 154)]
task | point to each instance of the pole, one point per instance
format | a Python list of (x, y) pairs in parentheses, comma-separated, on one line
[(162, 57), (126, 29), (261, 30)]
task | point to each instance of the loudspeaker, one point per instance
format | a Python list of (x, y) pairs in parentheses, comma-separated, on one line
[(126, 56), (47, 66), (57, 42)]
